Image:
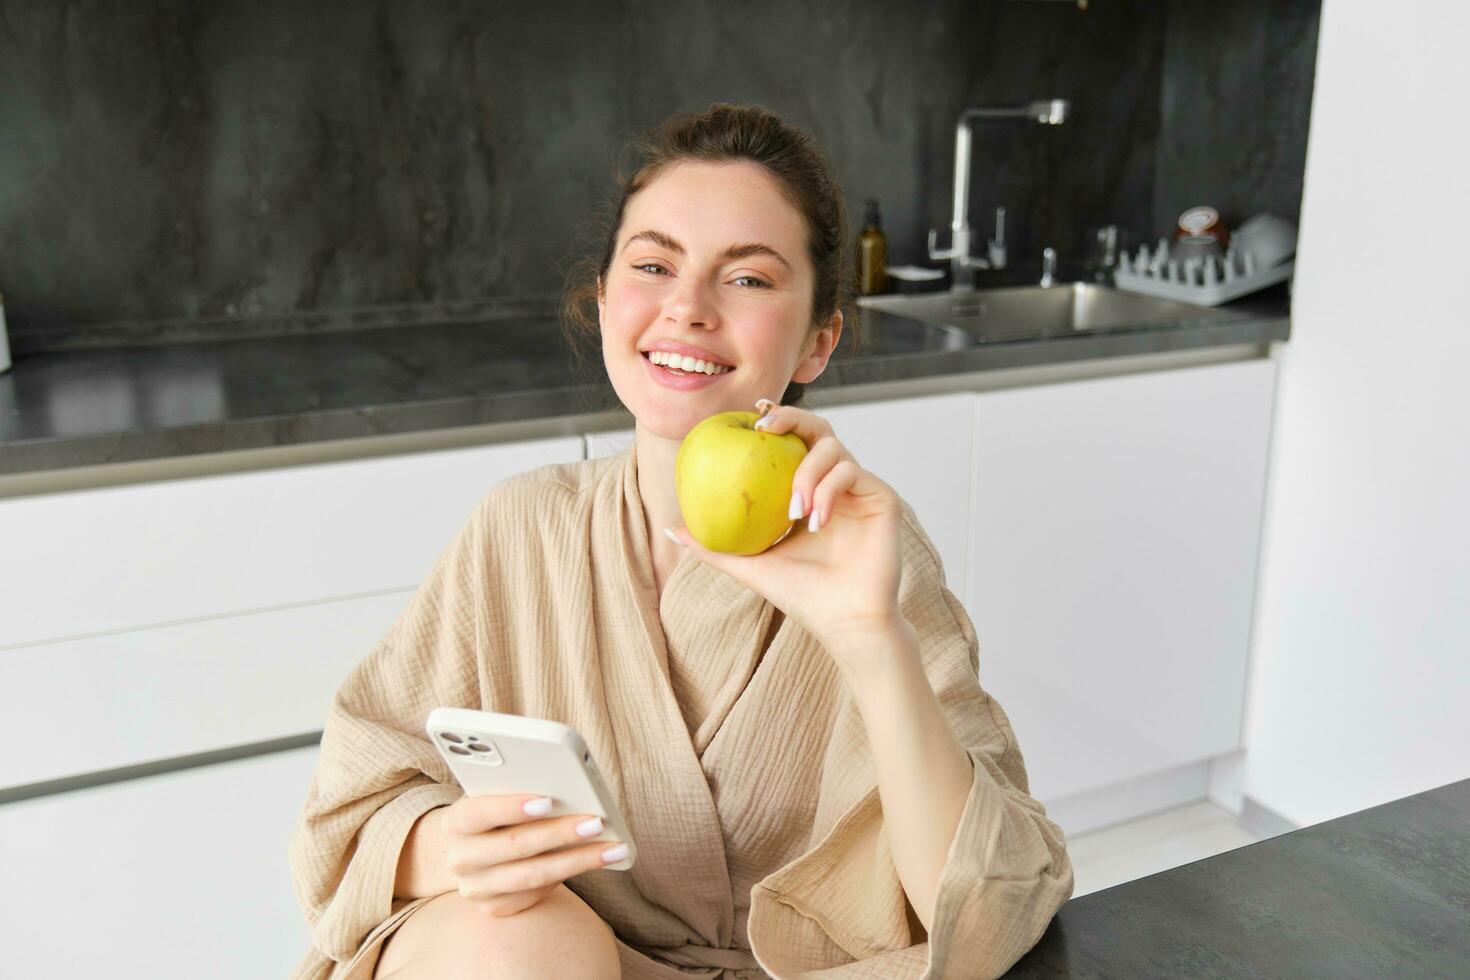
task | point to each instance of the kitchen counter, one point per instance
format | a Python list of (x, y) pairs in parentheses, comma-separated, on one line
[(107, 396), (1380, 893)]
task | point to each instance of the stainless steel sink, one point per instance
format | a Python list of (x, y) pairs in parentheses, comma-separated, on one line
[(1033, 311)]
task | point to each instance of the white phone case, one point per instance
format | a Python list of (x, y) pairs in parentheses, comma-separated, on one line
[(489, 752)]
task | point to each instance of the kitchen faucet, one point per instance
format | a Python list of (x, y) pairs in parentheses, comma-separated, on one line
[(1048, 266), (1048, 112)]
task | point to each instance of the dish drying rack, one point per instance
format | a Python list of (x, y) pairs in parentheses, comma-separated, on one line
[(1202, 281)]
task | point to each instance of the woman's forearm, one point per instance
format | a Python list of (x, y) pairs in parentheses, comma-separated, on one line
[(423, 868), (924, 773)]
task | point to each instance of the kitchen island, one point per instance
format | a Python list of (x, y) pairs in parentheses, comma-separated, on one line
[(1384, 892)]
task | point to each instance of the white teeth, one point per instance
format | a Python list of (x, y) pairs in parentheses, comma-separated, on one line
[(688, 364)]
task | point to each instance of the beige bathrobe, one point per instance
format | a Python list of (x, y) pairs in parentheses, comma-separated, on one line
[(730, 740)]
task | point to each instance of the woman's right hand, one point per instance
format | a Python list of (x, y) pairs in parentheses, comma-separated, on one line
[(496, 851)]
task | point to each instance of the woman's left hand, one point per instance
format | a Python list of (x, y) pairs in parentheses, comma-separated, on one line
[(836, 573)]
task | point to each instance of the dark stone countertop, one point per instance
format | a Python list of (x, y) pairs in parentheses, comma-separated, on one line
[(110, 395), (1380, 893)]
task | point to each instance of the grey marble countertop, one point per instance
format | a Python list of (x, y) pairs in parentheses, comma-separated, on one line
[(111, 396), (1380, 893)]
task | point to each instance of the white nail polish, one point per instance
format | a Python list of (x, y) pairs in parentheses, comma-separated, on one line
[(811, 525), (669, 533), (615, 853), (794, 512), (537, 808), (590, 828)]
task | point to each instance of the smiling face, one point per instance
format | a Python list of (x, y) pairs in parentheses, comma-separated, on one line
[(710, 263)]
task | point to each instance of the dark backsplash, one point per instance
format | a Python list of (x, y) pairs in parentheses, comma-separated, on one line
[(179, 160), (1237, 92)]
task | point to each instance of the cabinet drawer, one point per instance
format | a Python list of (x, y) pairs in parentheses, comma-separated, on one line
[(179, 875), (122, 557), (176, 690)]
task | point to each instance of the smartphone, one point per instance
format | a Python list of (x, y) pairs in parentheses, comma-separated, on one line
[(489, 752)]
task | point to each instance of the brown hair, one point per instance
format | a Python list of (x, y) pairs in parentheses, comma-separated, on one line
[(733, 132)]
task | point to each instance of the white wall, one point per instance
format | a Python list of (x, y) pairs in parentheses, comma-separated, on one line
[(1360, 678)]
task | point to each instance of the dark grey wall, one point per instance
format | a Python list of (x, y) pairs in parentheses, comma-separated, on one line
[(182, 158), (1237, 93)]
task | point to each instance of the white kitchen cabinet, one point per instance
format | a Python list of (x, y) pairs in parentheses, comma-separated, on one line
[(119, 558), (184, 688), (1114, 537), (172, 877), (919, 446), (198, 614), (610, 443)]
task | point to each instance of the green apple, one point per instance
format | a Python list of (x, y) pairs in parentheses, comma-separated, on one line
[(734, 482)]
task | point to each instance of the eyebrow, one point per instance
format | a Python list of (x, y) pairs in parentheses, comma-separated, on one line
[(739, 251)]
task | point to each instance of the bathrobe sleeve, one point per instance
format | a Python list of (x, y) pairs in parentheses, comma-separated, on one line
[(839, 912), (377, 772)]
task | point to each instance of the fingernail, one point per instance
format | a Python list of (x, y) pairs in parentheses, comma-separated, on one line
[(794, 511), (763, 422), (537, 808), (764, 405), (814, 524), (669, 533), (615, 853), (590, 828)]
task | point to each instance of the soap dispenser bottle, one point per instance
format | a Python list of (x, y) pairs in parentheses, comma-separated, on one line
[(872, 254)]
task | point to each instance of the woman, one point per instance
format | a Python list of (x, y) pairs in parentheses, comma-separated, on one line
[(816, 781)]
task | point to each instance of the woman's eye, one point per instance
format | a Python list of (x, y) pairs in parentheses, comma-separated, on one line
[(759, 283), (650, 265)]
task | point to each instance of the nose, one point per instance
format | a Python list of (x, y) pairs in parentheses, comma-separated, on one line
[(691, 305)]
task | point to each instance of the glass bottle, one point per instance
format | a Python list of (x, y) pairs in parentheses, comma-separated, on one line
[(872, 254)]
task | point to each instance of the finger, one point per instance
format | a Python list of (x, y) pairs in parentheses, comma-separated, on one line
[(788, 418), (504, 906), (718, 560), (518, 841), (745, 569), (544, 869), (841, 478), (477, 814), (819, 460)]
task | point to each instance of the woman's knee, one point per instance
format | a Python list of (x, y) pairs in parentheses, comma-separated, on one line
[(559, 936)]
